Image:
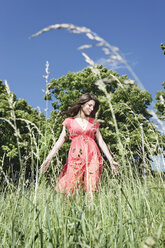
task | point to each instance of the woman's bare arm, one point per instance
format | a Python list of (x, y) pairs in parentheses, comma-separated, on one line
[(104, 148), (54, 150)]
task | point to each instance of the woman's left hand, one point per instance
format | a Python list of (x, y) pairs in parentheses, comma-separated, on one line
[(115, 169)]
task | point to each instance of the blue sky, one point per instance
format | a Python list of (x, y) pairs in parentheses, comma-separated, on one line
[(135, 27)]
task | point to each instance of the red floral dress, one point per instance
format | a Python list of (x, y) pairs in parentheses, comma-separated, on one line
[(84, 163)]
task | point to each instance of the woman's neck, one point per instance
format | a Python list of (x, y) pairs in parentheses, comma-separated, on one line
[(82, 115)]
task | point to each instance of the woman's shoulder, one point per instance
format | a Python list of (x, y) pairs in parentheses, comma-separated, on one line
[(95, 122), (91, 119), (67, 121), (69, 118)]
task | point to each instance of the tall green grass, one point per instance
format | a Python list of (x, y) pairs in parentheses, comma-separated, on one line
[(125, 213)]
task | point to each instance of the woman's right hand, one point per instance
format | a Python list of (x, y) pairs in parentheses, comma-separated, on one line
[(45, 166)]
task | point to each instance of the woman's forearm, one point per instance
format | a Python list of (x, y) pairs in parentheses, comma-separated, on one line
[(55, 149), (57, 145), (106, 151), (104, 147)]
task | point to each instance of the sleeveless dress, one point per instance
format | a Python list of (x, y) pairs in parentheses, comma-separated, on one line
[(84, 163)]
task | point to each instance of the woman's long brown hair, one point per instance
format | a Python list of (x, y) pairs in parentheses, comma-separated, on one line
[(75, 108)]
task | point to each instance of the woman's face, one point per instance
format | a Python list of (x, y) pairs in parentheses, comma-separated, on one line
[(88, 107)]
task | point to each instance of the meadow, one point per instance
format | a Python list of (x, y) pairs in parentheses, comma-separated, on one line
[(126, 212)]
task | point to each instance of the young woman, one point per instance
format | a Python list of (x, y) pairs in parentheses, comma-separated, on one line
[(84, 163)]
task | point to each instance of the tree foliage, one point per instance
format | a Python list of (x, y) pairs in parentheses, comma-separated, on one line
[(160, 97), (163, 48), (160, 104), (19, 130)]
